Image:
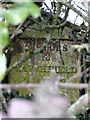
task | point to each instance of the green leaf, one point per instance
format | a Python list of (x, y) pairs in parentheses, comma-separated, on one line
[(3, 68), (4, 35), (33, 9), (17, 15), (21, 2), (2, 12)]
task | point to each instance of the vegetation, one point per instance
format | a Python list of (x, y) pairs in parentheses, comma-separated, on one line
[(44, 59)]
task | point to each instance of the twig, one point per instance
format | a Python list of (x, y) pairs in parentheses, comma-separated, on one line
[(36, 21), (60, 32), (29, 85), (66, 14), (75, 85), (80, 7), (76, 11), (70, 34), (48, 8), (3, 99), (15, 32), (19, 85), (83, 37), (78, 75)]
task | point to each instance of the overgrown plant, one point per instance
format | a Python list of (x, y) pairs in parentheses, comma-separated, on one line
[(47, 102)]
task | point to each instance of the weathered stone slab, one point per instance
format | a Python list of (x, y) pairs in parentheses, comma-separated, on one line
[(36, 69), (64, 64)]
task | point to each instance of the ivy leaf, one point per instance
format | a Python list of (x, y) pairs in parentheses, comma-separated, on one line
[(34, 10), (16, 16), (4, 35)]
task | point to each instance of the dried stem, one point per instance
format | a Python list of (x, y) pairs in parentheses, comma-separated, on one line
[(79, 74), (29, 85), (15, 32), (3, 99)]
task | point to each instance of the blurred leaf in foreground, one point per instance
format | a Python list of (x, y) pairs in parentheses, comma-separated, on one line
[(3, 67)]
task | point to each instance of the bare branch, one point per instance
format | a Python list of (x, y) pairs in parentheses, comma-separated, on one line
[(78, 75), (29, 85), (4, 102), (76, 11)]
